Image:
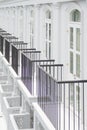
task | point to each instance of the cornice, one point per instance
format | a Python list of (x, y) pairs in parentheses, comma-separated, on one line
[(12, 3)]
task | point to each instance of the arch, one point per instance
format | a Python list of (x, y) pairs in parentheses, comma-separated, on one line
[(75, 15), (48, 14), (32, 13)]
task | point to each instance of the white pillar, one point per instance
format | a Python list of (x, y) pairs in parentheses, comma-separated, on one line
[(36, 26), (84, 60), (11, 20), (42, 31), (28, 25), (16, 22), (24, 23), (56, 32), (19, 18)]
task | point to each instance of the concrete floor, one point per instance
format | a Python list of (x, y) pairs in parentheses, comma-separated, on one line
[(3, 125)]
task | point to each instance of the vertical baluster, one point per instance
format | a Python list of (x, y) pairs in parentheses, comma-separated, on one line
[(53, 71), (39, 56), (60, 87), (64, 105), (73, 106), (78, 107), (83, 108), (40, 86), (57, 73), (69, 106), (58, 107), (61, 72)]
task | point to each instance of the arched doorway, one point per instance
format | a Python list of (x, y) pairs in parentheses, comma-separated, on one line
[(75, 54), (74, 44), (48, 29)]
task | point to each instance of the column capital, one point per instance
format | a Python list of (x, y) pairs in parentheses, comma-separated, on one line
[(56, 5), (37, 6)]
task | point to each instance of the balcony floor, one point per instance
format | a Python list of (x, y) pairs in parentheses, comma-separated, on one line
[(3, 125)]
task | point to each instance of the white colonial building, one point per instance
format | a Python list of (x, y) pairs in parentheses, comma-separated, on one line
[(57, 28)]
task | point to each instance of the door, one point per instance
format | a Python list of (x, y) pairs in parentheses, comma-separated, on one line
[(48, 40), (74, 52), (74, 60)]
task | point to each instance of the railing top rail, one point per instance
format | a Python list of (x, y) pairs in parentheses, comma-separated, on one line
[(25, 49), (48, 74), (32, 51), (19, 43), (16, 42), (21, 48), (2, 31), (72, 81), (52, 60), (5, 33), (51, 65), (10, 37)]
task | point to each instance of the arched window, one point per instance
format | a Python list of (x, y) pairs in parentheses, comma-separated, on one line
[(32, 13), (48, 28), (48, 14), (75, 16), (75, 51), (75, 41)]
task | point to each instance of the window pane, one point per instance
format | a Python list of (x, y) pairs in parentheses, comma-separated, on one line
[(46, 30), (71, 38), (78, 39), (77, 65), (75, 16), (49, 50), (21, 13), (32, 13), (71, 62), (49, 31), (46, 49), (48, 14)]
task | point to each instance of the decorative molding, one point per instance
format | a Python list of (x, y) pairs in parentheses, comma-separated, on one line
[(29, 2)]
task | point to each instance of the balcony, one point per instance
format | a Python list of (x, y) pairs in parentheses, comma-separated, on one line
[(41, 90)]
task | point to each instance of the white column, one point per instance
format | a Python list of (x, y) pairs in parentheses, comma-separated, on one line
[(4, 18), (42, 31), (36, 26), (24, 23), (16, 21), (11, 20), (56, 32), (28, 25), (84, 60)]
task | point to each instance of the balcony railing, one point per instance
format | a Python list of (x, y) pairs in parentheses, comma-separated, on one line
[(63, 102)]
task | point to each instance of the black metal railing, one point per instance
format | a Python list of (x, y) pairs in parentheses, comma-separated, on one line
[(15, 59), (17, 49), (62, 101), (1, 44), (7, 50), (28, 68), (47, 89), (55, 70)]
